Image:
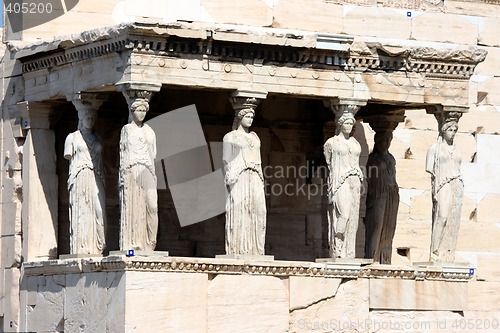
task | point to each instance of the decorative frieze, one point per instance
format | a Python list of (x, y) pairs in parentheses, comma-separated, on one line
[(243, 267), (445, 63), (93, 50)]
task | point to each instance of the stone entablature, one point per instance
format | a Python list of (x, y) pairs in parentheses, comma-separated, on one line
[(341, 269), (268, 60), (277, 49)]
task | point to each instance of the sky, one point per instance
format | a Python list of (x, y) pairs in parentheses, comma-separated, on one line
[(1, 13)]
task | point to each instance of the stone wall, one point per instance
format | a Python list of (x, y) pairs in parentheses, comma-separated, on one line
[(461, 22), (120, 294)]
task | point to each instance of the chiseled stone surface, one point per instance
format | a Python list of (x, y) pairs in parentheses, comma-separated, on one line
[(481, 179), (40, 196), (253, 12), (469, 239), (488, 35), (305, 291), (99, 12), (421, 141), (376, 21), (327, 17), (11, 320), (488, 86), (350, 304), (473, 7), (180, 304), (115, 301), (84, 301), (120, 294), (247, 304), (419, 209), (490, 65), (447, 28), (398, 294), (487, 208), (483, 296), (410, 174), (46, 303), (419, 120), (489, 267), (487, 149), (412, 234), (382, 321), (474, 120)]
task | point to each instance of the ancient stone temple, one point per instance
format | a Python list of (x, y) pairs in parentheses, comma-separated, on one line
[(359, 191)]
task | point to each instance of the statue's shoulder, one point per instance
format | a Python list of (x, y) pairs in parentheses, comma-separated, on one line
[(126, 128), (71, 136), (330, 141), (432, 149), (70, 139), (148, 129), (230, 136)]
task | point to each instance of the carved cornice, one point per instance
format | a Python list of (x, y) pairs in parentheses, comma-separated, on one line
[(428, 5), (491, 2), (188, 43), (60, 58), (445, 63), (416, 273), (240, 267)]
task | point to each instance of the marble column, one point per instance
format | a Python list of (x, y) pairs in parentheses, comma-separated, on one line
[(40, 185), (382, 200), (86, 186), (345, 178), (245, 202), (443, 163), (137, 178)]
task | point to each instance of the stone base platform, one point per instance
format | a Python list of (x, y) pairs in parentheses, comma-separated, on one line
[(139, 253), (179, 294), (245, 257), (79, 255)]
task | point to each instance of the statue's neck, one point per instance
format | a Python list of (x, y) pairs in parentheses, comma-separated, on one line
[(138, 124), (244, 129)]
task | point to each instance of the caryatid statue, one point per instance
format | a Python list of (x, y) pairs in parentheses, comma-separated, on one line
[(382, 199), (87, 195), (137, 178), (244, 180), (342, 153), (443, 163)]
